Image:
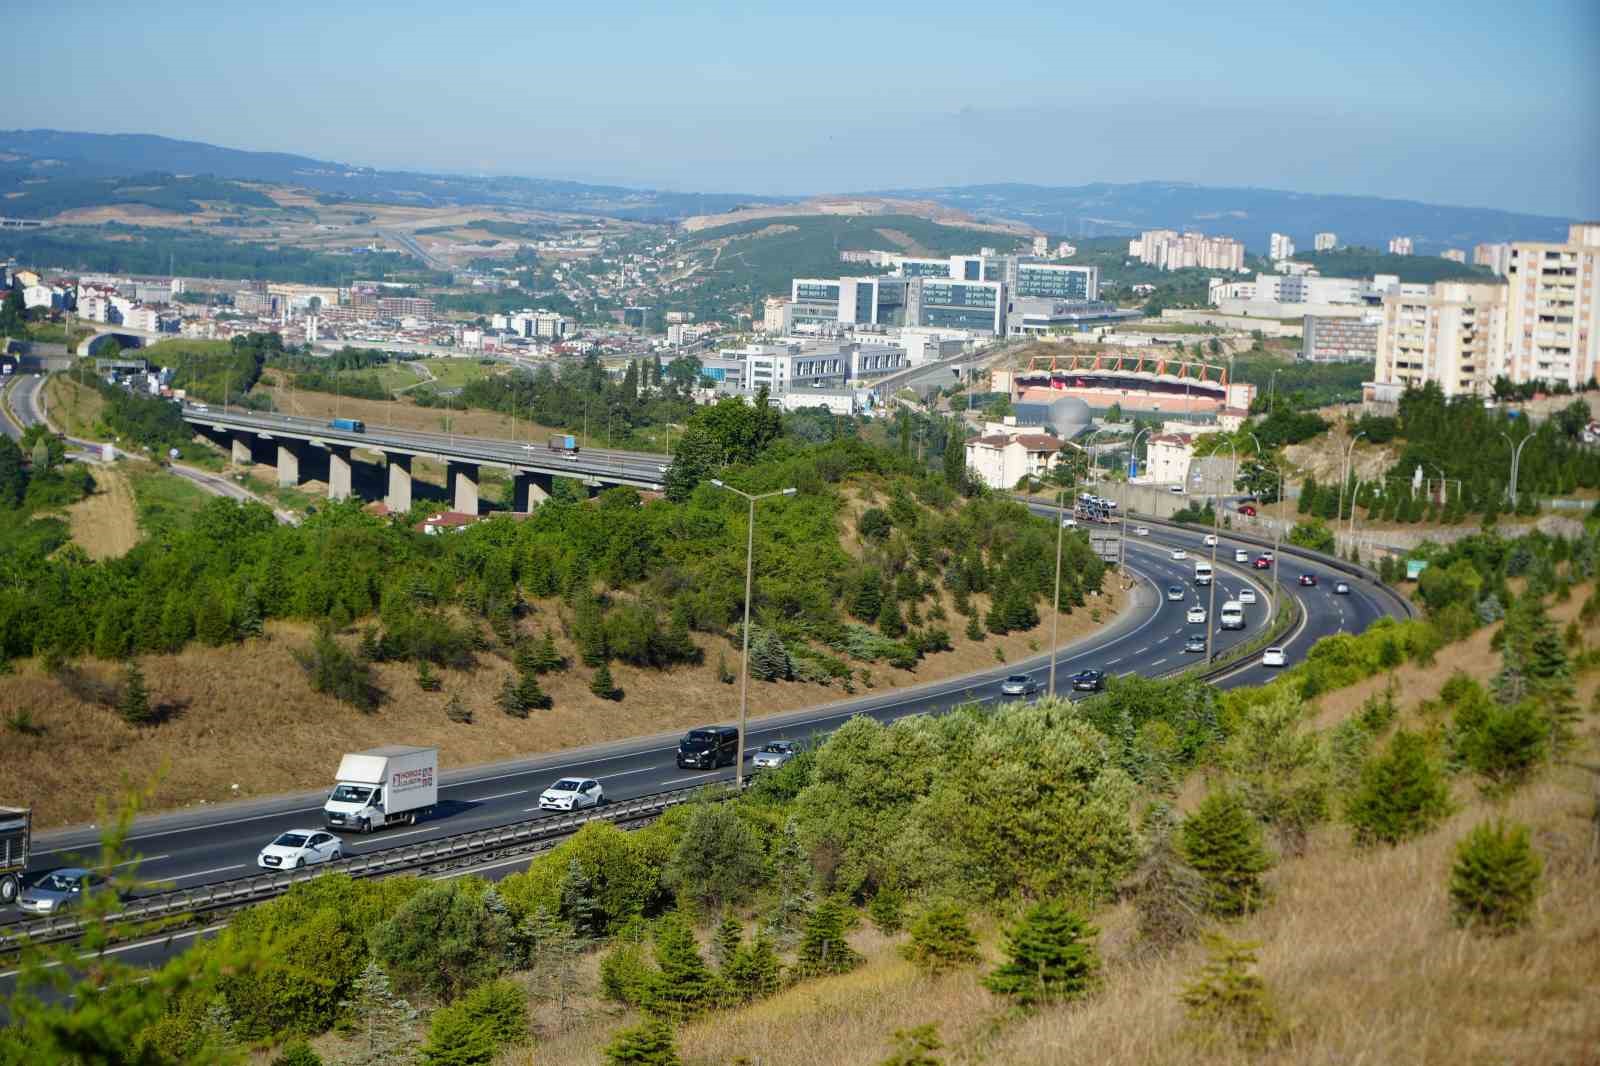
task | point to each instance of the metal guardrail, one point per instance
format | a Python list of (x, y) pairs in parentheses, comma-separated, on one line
[(527, 837)]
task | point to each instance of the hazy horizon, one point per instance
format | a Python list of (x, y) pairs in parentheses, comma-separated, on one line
[(1436, 103)]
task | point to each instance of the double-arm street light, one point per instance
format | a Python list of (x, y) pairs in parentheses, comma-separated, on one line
[(1516, 464), (749, 574), (1344, 479), (1277, 533), (1216, 529)]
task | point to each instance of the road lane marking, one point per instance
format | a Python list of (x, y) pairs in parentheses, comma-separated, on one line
[(498, 796), (409, 832), (202, 873), (1113, 662)]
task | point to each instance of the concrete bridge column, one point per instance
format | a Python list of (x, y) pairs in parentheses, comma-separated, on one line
[(463, 480), (399, 498), (289, 452), (530, 490), (242, 453), (338, 472)]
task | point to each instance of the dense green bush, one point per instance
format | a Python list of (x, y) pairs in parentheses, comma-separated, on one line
[(1222, 842), (472, 1030), (941, 939), (1401, 794), (442, 940), (1050, 956), (1495, 879)]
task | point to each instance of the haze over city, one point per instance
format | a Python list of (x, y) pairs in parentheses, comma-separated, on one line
[(1478, 104)]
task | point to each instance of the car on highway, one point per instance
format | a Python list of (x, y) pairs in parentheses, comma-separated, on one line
[(1247, 594), (1272, 657), (1262, 563), (1211, 540), (59, 890), (1268, 555), (198, 407), (1141, 531), (295, 848), (1069, 523), (1308, 580), (1176, 593), (1179, 553), (1088, 681), (708, 748), (1019, 685), (571, 794), (1196, 615), (1240, 555), (530, 447), (661, 468), (1176, 490), (774, 754), (1342, 589), (1247, 509), (1195, 643)]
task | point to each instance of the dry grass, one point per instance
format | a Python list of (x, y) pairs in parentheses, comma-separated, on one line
[(224, 700), (72, 407), (105, 524)]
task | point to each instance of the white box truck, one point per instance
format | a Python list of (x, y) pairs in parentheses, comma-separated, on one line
[(382, 787), (1202, 572)]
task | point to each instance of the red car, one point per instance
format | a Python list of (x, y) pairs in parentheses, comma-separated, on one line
[(1308, 580), (1262, 563), (1247, 509)]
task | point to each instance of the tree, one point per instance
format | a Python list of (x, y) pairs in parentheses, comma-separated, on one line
[(1401, 794), (602, 685), (1050, 956), (1169, 895), (727, 940), (470, 1031), (546, 659), (297, 1053), (648, 1044), (1502, 743), (383, 1020), (13, 314), (955, 456), (1223, 844), (683, 984), (823, 948), (1279, 768), (887, 911), (915, 1047), (718, 859), (1495, 878), (134, 703), (441, 941), (754, 970), (1226, 1001), (941, 940)]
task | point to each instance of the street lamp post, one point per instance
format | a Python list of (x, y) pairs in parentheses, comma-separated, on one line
[(1344, 478), (749, 578), (1277, 533), (1122, 538), (1055, 605), (1516, 464), (1216, 529)]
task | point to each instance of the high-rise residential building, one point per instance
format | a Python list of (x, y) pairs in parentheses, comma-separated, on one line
[(1455, 255), (1453, 336), (1041, 245), (1552, 323), (1324, 242), (1281, 246), (1169, 250), (1400, 246), (1494, 256), (1337, 340), (775, 315)]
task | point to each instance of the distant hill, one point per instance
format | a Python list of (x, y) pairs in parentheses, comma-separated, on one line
[(56, 157), (1251, 215)]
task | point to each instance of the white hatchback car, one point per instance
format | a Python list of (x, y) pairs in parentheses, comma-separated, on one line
[(1272, 657), (572, 793), (1179, 553), (1141, 531), (1197, 615), (1240, 555), (1247, 594), (295, 848)]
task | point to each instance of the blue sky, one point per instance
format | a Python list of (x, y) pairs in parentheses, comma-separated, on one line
[(1484, 104)]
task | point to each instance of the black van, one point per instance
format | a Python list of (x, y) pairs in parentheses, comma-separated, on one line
[(708, 748)]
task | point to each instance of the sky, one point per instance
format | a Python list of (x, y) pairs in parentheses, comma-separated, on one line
[(1464, 103)]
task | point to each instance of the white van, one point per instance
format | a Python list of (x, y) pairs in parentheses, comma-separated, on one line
[(1202, 572), (1232, 615)]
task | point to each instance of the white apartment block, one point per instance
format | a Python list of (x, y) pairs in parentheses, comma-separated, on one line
[(1400, 246), (1494, 256), (1281, 246), (1169, 250), (1452, 336), (1324, 242), (1552, 325), (1455, 255), (1000, 460)]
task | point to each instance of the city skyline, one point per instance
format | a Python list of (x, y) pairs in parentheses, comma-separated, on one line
[(708, 102)]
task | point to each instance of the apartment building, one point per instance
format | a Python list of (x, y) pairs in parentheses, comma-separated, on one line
[(1280, 246), (1552, 326), (1400, 246), (1338, 340), (1167, 249), (1453, 336), (1000, 460), (1324, 242), (405, 307), (1455, 255), (1494, 256)]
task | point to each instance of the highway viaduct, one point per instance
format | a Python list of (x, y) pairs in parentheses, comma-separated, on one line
[(294, 444)]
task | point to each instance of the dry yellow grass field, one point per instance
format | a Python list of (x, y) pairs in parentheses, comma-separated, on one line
[(226, 700), (105, 524)]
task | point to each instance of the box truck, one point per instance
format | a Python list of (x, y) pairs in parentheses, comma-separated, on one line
[(16, 824), (349, 425), (564, 442), (382, 787)]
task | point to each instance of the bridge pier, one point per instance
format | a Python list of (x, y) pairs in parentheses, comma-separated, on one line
[(399, 498), (463, 480), (529, 490), (339, 471), (242, 452), (289, 462)]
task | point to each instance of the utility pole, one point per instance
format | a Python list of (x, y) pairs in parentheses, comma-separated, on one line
[(1055, 605), (1216, 529)]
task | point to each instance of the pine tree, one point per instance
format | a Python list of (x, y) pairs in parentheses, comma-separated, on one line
[(134, 703), (427, 680), (371, 648), (532, 694), (791, 882), (890, 624), (887, 911), (1495, 879), (941, 940), (727, 941), (1401, 794), (579, 905), (1050, 955), (1169, 895), (974, 628), (915, 1047), (649, 1044), (547, 659), (297, 1053), (823, 948), (1226, 1001), (511, 699), (868, 599), (383, 1021), (1223, 844), (683, 985), (602, 685), (754, 971)]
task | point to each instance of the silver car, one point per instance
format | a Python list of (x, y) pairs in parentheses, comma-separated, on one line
[(773, 755), (1019, 685), (59, 890)]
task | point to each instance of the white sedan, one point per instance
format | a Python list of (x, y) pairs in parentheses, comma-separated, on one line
[(1197, 615), (295, 848), (1272, 657), (572, 793), (1141, 531), (1247, 594), (1179, 553), (1211, 540)]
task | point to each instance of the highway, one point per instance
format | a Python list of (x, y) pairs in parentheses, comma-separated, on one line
[(191, 848)]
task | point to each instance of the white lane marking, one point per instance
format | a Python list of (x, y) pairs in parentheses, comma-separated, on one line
[(1130, 673), (142, 858), (1113, 662), (130, 947), (498, 796), (647, 769), (1146, 648), (409, 833), (1158, 662), (202, 873)]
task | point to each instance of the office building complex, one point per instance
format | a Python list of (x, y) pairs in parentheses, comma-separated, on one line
[(1552, 321), (1324, 242), (1280, 246), (1051, 281), (1339, 340)]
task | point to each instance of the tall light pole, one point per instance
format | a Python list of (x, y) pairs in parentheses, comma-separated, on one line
[(1055, 605), (1216, 528), (749, 576), (1277, 533), (1516, 464), (1122, 539), (1344, 478)]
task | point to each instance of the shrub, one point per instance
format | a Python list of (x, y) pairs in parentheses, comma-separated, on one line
[(1223, 844), (297, 1053), (1050, 956), (915, 1047), (1502, 743), (335, 672), (1226, 1001), (683, 985), (1401, 793), (718, 859), (1169, 895), (625, 973), (1495, 878), (440, 941), (470, 1031), (823, 948), (457, 711), (941, 940), (649, 1044), (602, 685), (754, 971), (134, 703), (887, 911)]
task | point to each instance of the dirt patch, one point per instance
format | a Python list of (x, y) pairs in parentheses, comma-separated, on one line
[(901, 240), (105, 524), (224, 700)]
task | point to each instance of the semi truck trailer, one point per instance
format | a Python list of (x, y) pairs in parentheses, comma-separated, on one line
[(16, 824), (384, 786)]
